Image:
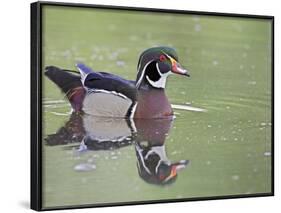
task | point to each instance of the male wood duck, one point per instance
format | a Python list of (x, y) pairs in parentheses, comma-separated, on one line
[(108, 95)]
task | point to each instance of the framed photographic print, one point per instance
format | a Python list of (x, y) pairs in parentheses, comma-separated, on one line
[(140, 105)]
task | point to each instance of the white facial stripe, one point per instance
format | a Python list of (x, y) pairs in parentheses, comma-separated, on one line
[(139, 150), (142, 74), (161, 83), (172, 59)]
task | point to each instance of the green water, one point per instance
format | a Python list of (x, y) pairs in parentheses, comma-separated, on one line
[(228, 146)]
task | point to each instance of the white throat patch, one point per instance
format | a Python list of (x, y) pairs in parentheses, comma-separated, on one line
[(161, 83)]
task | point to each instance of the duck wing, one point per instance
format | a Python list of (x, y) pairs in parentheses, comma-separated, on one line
[(107, 82)]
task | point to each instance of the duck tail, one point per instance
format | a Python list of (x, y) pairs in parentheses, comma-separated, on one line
[(69, 83)]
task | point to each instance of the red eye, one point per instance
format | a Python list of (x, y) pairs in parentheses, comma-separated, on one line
[(162, 58)]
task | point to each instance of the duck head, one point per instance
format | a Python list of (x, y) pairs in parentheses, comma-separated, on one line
[(153, 164), (156, 64)]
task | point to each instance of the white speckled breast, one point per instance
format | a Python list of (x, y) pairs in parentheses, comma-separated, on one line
[(106, 104)]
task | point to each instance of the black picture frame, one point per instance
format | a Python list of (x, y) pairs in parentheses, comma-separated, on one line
[(36, 102)]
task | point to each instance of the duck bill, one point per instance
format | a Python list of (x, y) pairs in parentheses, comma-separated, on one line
[(177, 167), (178, 69)]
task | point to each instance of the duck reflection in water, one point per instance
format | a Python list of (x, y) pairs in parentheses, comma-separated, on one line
[(147, 135)]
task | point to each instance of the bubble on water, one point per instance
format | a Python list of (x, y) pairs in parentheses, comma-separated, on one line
[(208, 162), (120, 63), (263, 124), (215, 62), (209, 126), (236, 139), (227, 107), (197, 27), (267, 154), (84, 167), (183, 92), (235, 177), (252, 82), (114, 157)]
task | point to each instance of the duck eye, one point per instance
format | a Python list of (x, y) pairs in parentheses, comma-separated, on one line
[(162, 58)]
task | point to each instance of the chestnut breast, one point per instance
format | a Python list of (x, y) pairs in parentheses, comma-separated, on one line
[(152, 104)]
